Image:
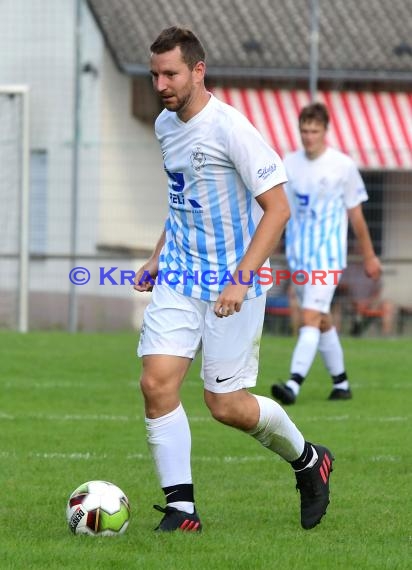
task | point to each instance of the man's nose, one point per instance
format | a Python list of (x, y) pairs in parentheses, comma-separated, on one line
[(161, 84)]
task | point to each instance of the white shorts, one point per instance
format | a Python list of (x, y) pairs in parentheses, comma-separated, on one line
[(319, 296), (178, 325)]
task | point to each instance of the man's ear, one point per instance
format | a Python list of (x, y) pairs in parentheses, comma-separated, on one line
[(199, 70)]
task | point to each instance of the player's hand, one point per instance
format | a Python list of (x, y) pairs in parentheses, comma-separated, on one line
[(230, 300), (373, 268), (146, 276)]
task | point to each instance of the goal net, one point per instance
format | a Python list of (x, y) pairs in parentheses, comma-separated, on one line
[(14, 202)]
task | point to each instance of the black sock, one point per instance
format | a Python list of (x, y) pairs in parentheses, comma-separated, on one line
[(304, 460), (297, 378), (339, 378), (182, 492)]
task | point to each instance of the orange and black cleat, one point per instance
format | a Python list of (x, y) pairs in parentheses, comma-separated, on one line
[(313, 484), (178, 520)]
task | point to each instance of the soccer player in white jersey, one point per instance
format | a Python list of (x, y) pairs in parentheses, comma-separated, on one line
[(227, 211), (324, 189)]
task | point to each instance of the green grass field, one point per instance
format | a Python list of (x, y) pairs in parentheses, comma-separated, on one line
[(70, 411)]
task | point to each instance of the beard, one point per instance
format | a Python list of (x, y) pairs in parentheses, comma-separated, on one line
[(177, 103)]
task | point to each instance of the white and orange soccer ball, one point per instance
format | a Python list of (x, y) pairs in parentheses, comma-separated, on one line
[(98, 508)]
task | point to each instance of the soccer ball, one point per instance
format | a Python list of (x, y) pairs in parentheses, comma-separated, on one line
[(98, 508)]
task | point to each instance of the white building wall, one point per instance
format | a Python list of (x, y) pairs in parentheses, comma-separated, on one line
[(397, 237), (134, 187), (121, 184), (37, 49)]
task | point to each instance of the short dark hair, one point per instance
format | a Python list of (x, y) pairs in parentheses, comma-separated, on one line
[(314, 112), (190, 46)]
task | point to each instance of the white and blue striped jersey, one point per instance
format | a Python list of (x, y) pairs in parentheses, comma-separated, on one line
[(217, 163), (320, 192)]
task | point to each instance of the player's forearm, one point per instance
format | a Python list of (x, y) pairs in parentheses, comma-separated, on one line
[(366, 246), (371, 262), (361, 231)]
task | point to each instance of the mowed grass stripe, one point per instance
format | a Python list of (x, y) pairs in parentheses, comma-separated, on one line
[(71, 412)]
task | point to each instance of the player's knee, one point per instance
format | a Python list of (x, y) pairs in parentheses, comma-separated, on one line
[(326, 323), (221, 414), (219, 408), (150, 386), (311, 318)]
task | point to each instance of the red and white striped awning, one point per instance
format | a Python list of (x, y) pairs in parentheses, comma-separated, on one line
[(374, 128)]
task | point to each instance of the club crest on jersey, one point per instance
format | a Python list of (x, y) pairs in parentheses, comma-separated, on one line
[(197, 158)]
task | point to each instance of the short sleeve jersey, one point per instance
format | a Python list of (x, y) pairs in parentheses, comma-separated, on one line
[(320, 192), (216, 163)]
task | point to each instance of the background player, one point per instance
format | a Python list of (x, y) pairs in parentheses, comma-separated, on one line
[(324, 190)]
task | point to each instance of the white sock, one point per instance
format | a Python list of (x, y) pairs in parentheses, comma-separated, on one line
[(303, 355), (294, 386), (169, 441), (331, 351), (344, 385), (276, 431), (185, 506)]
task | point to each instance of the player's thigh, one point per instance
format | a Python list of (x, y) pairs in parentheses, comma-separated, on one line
[(317, 297), (163, 373), (230, 347)]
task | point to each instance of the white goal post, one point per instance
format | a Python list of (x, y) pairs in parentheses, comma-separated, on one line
[(14, 193)]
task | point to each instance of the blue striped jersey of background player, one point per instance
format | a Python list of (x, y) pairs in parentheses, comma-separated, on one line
[(319, 193), (216, 164)]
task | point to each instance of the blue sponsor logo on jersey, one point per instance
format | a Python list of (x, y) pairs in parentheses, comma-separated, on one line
[(194, 203), (178, 200), (266, 171), (177, 180)]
